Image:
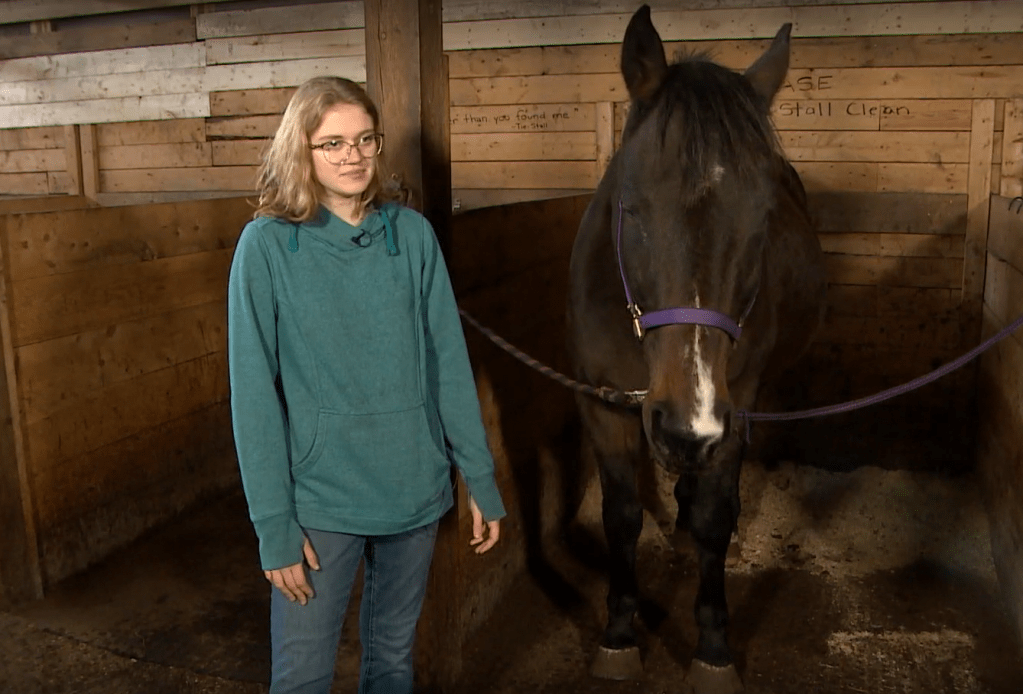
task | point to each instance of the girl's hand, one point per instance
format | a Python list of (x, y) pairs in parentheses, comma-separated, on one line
[(493, 529), (291, 580)]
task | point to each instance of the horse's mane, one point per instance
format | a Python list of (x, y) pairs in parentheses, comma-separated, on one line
[(721, 121)]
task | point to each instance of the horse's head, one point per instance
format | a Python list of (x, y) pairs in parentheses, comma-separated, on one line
[(694, 192)]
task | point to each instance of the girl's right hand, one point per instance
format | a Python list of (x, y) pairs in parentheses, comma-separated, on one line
[(291, 580)]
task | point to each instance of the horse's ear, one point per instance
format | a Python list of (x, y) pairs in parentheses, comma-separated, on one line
[(643, 61), (768, 73)]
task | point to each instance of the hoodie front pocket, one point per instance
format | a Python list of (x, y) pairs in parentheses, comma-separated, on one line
[(373, 466)]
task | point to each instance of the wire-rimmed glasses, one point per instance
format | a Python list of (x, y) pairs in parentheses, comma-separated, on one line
[(338, 151)]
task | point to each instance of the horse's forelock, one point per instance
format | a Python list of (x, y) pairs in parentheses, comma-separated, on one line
[(709, 119)]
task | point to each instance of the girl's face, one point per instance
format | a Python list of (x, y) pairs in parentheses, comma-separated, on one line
[(343, 183)]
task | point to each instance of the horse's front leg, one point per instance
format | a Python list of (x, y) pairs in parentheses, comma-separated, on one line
[(713, 515), (615, 441)]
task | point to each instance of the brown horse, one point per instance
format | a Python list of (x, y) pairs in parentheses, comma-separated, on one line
[(698, 209)]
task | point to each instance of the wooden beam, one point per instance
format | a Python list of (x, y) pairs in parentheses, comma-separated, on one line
[(89, 161), (20, 576), (978, 212), (407, 78), (73, 158), (1011, 184)]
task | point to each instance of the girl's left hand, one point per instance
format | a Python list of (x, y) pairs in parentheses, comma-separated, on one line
[(493, 529)]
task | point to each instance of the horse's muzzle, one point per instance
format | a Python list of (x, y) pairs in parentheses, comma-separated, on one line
[(679, 445)]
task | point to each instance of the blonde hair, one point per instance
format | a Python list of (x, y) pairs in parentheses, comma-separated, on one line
[(286, 181)]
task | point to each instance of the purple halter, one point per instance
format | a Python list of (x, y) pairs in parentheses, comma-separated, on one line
[(641, 322)]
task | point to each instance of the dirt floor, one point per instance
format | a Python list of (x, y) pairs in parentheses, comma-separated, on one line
[(869, 581)]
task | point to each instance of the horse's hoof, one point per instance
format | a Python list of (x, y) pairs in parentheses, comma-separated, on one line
[(617, 664), (708, 679)]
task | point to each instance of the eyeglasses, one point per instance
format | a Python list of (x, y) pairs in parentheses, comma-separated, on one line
[(338, 151)]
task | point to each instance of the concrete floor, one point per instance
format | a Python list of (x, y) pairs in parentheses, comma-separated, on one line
[(184, 610)]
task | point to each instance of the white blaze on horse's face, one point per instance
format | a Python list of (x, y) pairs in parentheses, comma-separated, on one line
[(704, 424)]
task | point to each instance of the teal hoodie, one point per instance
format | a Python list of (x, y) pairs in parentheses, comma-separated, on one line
[(351, 388)]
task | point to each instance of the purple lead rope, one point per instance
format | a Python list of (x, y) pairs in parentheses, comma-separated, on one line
[(884, 394)]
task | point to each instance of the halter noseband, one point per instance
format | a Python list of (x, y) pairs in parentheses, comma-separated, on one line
[(641, 322)]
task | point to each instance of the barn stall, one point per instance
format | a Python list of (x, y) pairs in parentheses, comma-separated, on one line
[(131, 138)]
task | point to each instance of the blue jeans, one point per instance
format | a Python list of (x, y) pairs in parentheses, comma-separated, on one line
[(304, 639)]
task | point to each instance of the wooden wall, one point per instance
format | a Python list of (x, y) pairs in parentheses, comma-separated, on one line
[(1000, 449), (115, 353)]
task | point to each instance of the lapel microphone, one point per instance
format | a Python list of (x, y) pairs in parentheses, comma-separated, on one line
[(357, 240)]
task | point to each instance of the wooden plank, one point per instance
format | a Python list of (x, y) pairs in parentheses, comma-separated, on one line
[(1005, 236), (117, 411), (20, 575), (524, 174), (826, 21), (876, 146), (154, 83), (280, 20), (150, 132), (1003, 291), (73, 155), (186, 460), (239, 152), (58, 183), (288, 73), (99, 63), (46, 308), (922, 178), (74, 241), (867, 84), (24, 184), (886, 332), (1011, 183), (271, 47), (32, 160), (524, 118), (158, 198), (65, 373), (107, 110), (828, 52), (48, 137), (249, 102), (926, 114), (538, 89), (519, 146), (605, 136), (13, 11), (169, 156), (466, 199), (979, 196), (894, 271), (826, 115), (47, 203), (848, 176), (906, 302), (903, 213), (238, 178), (98, 38), (897, 245), (89, 158)]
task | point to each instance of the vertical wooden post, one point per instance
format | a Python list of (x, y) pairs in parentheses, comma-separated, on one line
[(1011, 185), (20, 576), (89, 159), (982, 139), (605, 127), (406, 76), (73, 158)]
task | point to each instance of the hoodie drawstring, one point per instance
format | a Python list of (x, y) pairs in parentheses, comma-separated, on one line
[(392, 249)]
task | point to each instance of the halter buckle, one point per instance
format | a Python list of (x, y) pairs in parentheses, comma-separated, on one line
[(637, 327)]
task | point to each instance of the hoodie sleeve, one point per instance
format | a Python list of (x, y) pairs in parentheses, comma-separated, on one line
[(456, 397), (257, 412)]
